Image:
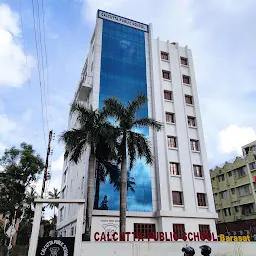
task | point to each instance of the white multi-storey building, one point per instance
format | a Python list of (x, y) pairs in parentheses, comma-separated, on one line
[(174, 194)]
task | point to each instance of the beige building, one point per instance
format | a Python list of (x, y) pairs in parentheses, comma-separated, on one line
[(234, 187)]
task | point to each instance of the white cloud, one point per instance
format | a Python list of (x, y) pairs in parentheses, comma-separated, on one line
[(13, 69), (6, 125), (233, 137)]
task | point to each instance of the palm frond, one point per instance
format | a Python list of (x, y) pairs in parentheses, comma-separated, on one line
[(114, 107), (142, 146), (131, 149), (137, 103), (148, 122)]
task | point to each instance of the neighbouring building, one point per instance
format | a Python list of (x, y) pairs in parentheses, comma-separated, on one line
[(234, 187), (175, 194)]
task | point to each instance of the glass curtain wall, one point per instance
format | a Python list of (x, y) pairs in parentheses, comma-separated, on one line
[(123, 74)]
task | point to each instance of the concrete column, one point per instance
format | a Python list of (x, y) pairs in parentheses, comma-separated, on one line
[(79, 230), (35, 230)]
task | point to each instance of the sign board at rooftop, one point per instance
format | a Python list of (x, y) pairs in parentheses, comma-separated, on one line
[(122, 20)]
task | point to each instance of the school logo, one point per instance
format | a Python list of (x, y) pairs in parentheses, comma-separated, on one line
[(59, 246)]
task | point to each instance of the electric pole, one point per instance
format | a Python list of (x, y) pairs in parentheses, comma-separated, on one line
[(46, 163)]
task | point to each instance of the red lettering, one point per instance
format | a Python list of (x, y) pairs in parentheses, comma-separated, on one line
[(161, 236), (184, 236), (108, 237), (213, 237), (166, 237), (155, 236), (196, 235), (114, 236), (202, 236), (96, 238), (150, 235), (134, 235), (189, 236), (175, 236), (140, 237), (103, 237), (127, 235), (171, 236), (208, 236), (122, 236)]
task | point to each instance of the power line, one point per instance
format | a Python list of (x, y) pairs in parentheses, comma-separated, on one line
[(39, 72), (46, 62), (42, 62)]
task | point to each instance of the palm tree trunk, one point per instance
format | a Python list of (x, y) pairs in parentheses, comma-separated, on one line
[(90, 195), (97, 189), (123, 189)]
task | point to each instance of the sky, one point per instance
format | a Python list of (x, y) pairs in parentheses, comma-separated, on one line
[(220, 33)]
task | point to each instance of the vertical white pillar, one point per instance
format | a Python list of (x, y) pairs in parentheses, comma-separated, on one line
[(35, 230), (79, 230)]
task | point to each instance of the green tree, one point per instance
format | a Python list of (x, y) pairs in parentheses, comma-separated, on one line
[(20, 168), (132, 143), (92, 129), (55, 194)]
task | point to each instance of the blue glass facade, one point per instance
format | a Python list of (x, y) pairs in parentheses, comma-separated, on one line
[(123, 74)]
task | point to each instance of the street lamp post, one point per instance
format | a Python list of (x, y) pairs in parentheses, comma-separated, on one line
[(11, 230)]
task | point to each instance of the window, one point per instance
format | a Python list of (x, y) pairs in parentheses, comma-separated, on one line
[(62, 213), (164, 56), (92, 66), (186, 79), (184, 61), (240, 172), (224, 194), (198, 171), (247, 209), (227, 212), (166, 74), (174, 169), (194, 145), (169, 117), (230, 174), (244, 190), (236, 208), (221, 178), (191, 121), (233, 191), (177, 198), (189, 99), (252, 165), (72, 231), (144, 229), (204, 228), (82, 184), (65, 175), (63, 194), (167, 95), (179, 229), (172, 142), (201, 199)]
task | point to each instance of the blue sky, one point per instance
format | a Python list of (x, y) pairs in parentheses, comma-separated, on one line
[(219, 32)]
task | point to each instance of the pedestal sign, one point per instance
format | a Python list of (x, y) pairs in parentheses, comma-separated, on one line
[(55, 246)]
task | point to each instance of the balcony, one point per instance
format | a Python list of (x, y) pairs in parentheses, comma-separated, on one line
[(85, 88)]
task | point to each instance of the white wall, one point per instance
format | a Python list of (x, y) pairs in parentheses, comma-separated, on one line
[(165, 248), (186, 183)]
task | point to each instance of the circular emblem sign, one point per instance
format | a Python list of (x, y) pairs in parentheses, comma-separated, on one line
[(55, 246)]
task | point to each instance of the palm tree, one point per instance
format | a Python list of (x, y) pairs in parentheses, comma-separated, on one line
[(132, 143), (93, 128), (53, 195)]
